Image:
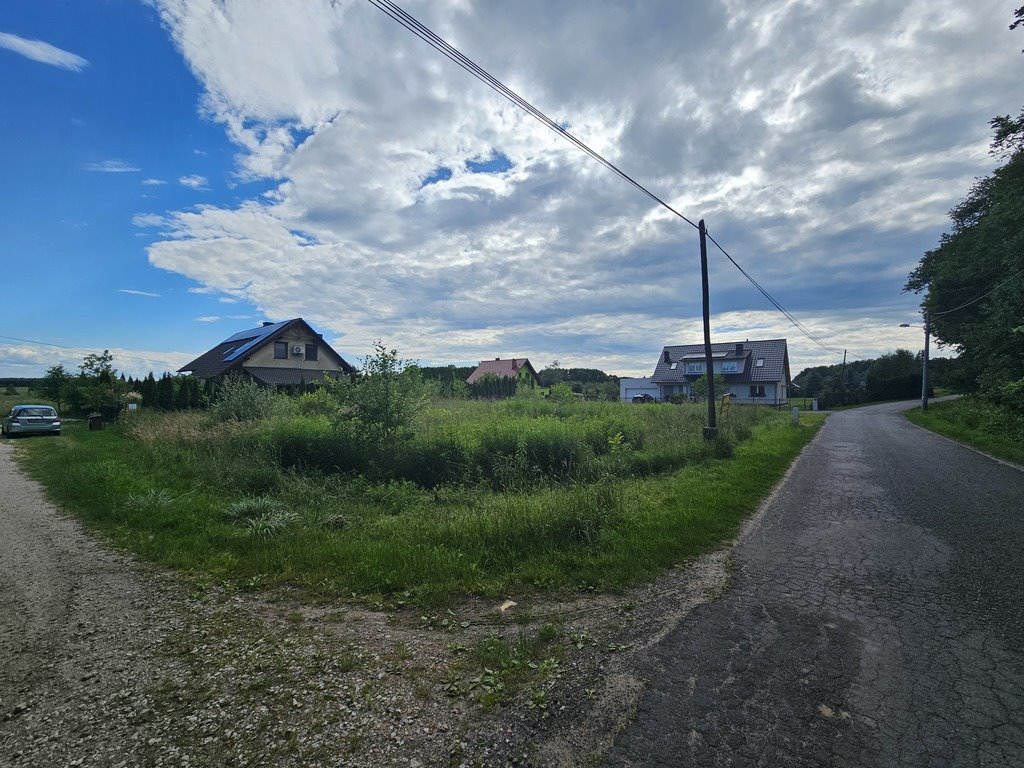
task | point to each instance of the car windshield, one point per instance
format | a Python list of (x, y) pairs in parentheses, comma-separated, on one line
[(36, 412)]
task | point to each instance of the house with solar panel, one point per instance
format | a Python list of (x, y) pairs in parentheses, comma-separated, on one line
[(754, 371), (285, 354)]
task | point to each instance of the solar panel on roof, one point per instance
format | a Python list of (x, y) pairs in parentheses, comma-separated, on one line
[(259, 335)]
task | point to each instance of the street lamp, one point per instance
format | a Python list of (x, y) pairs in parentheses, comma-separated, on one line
[(924, 361)]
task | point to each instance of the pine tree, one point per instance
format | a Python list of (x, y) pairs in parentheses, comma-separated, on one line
[(165, 393), (148, 391)]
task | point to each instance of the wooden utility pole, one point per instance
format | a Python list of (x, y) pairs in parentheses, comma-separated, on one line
[(711, 430), (842, 382), (924, 365)]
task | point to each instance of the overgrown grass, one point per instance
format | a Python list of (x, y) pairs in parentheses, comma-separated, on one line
[(542, 496), (976, 422)]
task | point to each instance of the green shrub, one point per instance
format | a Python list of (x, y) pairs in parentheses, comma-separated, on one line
[(238, 399), (307, 443), (433, 460)]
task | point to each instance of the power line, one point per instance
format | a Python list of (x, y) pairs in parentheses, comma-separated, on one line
[(393, 11), (438, 43), (775, 303), (993, 289)]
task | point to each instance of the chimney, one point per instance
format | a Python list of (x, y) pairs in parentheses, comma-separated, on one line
[(739, 348), (267, 322), (497, 359), (667, 359)]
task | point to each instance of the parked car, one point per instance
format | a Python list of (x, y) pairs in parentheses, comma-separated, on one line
[(31, 420), (643, 398)]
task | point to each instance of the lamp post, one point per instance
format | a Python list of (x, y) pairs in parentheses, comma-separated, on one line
[(924, 361)]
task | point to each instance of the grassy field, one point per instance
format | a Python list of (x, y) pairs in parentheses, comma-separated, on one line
[(22, 396), (978, 423), (482, 498)]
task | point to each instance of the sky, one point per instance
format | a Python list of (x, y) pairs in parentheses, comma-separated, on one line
[(178, 170)]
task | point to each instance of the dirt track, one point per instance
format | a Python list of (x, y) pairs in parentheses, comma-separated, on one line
[(78, 628)]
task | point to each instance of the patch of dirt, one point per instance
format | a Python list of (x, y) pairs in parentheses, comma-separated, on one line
[(114, 663)]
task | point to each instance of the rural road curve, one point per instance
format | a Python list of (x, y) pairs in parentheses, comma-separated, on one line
[(874, 618)]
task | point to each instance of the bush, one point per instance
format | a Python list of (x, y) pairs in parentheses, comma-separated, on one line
[(241, 400), (434, 460), (314, 443)]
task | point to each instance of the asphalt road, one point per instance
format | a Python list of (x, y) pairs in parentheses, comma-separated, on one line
[(875, 618)]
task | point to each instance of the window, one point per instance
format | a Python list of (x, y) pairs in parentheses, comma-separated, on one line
[(695, 367), (730, 366), (757, 390), (311, 352), (280, 350), (674, 366), (759, 363)]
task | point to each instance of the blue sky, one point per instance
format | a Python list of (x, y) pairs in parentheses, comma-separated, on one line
[(178, 170)]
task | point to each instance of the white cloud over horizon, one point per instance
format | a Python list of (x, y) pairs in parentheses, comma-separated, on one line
[(24, 360), (43, 52), (816, 140)]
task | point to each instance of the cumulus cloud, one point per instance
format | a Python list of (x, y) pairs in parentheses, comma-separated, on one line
[(153, 182), (111, 166), (414, 204), (43, 52), (194, 181)]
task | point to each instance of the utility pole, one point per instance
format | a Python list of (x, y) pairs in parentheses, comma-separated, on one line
[(924, 365), (711, 430), (842, 382)]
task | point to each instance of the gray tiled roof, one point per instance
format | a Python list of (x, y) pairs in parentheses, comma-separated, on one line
[(228, 356), (772, 351), (273, 377)]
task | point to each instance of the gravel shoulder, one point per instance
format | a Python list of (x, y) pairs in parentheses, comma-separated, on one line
[(109, 662)]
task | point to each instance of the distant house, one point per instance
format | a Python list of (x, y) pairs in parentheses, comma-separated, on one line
[(283, 354), (516, 368), (632, 387), (754, 371)]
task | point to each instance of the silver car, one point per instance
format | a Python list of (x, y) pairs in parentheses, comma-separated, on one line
[(31, 420)]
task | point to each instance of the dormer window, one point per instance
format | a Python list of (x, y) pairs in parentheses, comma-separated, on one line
[(695, 367), (730, 366)]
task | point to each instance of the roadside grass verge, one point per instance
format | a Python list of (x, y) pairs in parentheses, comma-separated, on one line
[(978, 423), (217, 502)]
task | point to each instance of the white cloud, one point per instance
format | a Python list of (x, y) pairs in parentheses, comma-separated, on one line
[(153, 182), (37, 50), (31, 360), (111, 166), (208, 319), (194, 181), (133, 292), (148, 220), (815, 139)]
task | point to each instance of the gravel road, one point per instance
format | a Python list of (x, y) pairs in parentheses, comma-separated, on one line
[(875, 618)]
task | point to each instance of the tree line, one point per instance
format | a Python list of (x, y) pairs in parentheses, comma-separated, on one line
[(972, 284)]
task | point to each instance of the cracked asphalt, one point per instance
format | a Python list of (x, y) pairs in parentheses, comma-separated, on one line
[(874, 617)]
